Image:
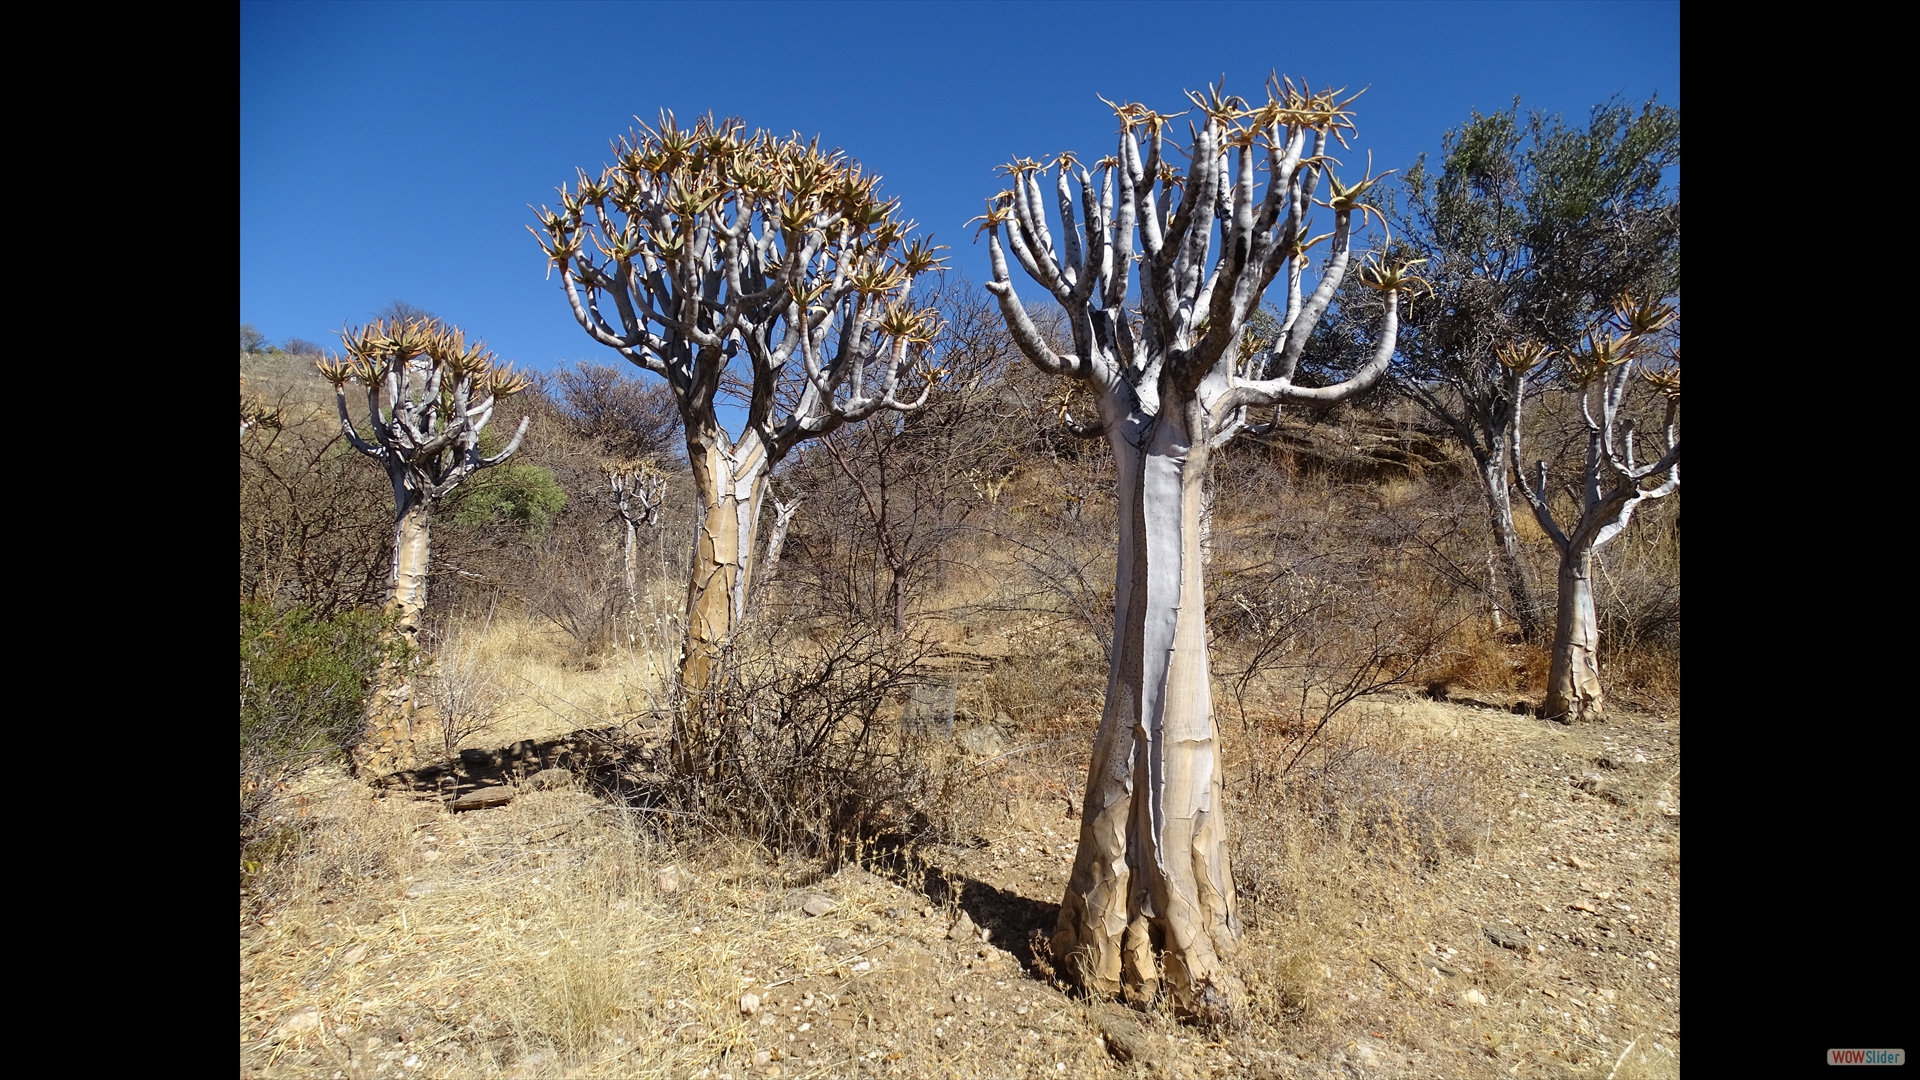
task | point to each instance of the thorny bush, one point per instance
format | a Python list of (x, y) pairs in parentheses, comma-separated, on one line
[(800, 746)]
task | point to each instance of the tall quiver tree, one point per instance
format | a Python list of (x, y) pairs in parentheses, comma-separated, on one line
[(429, 396), (706, 242), (1610, 485), (1150, 906)]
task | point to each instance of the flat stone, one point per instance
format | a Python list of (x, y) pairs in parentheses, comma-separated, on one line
[(817, 906), (482, 799), (1503, 939)]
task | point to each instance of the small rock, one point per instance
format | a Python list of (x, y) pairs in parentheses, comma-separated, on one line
[(1579, 863), (761, 1057), (354, 955), (1503, 939), (666, 880), (421, 888), (302, 1019), (1474, 997), (1590, 782), (549, 779), (817, 906), (1581, 905), (483, 798), (1365, 1055), (963, 929), (750, 1004), (1125, 1040)]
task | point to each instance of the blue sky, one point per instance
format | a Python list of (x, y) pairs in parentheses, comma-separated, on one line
[(391, 150)]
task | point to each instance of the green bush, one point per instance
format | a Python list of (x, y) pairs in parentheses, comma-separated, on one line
[(303, 687), (509, 494)]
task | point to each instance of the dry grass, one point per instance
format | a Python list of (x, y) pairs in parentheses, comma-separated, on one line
[(537, 689), (539, 939)]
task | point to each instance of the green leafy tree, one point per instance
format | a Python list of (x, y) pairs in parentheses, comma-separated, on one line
[(1529, 230)]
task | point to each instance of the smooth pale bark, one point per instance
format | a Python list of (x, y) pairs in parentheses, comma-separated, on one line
[(633, 580), (1573, 680), (1513, 567), (429, 396), (730, 487), (1152, 873), (396, 731), (783, 513)]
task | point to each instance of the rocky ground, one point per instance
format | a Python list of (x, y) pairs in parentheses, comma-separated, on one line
[(559, 934)]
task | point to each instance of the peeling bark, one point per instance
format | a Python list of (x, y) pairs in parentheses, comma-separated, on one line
[(395, 734), (730, 487), (1573, 681), (1150, 905)]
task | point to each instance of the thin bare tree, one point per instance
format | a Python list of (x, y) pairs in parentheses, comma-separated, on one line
[(1609, 489), (429, 396), (706, 242), (639, 488), (1150, 906)]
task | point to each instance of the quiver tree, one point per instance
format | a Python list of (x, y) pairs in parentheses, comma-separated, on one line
[(1611, 483), (639, 489), (1150, 904), (429, 396), (698, 245)]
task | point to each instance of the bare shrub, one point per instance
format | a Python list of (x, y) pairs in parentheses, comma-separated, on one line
[(801, 748), (316, 527), (461, 688)]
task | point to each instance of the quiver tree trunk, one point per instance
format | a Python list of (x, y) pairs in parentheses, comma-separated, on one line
[(730, 487), (1573, 679), (1524, 601), (396, 730), (1150, 904)]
